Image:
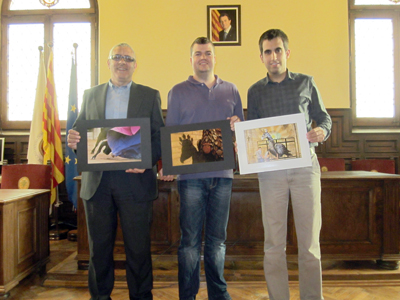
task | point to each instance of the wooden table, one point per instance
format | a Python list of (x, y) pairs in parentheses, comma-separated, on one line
[(360, 216), (24, 230)]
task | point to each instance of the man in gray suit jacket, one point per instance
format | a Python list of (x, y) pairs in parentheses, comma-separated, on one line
[(128, 193)]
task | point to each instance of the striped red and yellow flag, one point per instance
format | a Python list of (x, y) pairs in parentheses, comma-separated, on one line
[(216, 26), (52, 146)]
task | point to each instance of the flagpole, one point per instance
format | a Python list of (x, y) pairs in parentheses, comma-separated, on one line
[(75, 54), (73, 234)]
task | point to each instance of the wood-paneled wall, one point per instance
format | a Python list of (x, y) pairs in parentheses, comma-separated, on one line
[(353, 143), (345, 142)]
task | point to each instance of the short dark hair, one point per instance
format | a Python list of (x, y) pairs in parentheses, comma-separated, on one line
[(270, 35), (224, 14), (122, 45), (201, 41)]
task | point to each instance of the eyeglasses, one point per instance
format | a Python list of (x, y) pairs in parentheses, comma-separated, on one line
[(118, 57)]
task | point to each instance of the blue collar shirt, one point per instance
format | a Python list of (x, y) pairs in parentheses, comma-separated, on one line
[(117, 100)]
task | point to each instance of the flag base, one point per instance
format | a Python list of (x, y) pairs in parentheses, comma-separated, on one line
[(73, 235), (58, 234)]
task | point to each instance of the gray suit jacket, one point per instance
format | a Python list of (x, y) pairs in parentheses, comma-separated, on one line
[(144, 102)]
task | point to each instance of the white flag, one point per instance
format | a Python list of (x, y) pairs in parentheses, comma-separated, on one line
[(35, 150)]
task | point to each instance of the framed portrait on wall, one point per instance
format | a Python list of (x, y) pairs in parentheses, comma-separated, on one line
[(271, 144), (223, 25)]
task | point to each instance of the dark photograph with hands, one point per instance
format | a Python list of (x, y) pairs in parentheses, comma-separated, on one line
[(116, 144), (200, 147)]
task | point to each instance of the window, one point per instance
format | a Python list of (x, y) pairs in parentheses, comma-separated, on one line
[(26, 25), (375, 65), (36, 5)]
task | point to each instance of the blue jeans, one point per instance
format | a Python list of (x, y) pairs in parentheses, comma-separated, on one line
[(203, 201)]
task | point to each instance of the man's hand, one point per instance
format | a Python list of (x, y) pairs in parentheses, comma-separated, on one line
[(166, 177), (316, 135), (135, 170), (73, 138), (233, 120)]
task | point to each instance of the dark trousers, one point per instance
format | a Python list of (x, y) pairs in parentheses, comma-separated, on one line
[(113, 196)]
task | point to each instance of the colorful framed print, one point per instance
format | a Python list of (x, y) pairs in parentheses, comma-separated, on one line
[(114, 144)]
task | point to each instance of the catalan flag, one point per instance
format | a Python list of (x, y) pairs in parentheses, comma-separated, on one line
[(70, 156), (52, 146), (216, 26)]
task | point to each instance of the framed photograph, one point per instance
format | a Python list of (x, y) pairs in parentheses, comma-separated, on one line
[(194, 148), (114, 144), (224, 25), (2, 141), (271, 144)]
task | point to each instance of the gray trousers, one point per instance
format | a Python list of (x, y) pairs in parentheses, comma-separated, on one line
[(304, 187)]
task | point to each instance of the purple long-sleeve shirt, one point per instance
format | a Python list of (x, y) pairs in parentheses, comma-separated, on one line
[(193, 102)]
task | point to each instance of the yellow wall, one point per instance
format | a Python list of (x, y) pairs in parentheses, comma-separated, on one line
[(161, 31)]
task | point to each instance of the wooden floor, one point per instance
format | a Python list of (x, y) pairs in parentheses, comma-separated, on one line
[(342, 281)]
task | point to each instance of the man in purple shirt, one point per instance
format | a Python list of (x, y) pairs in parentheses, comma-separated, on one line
[(204, 197)]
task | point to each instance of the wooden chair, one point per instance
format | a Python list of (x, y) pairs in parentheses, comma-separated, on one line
[(26, 176), (331, 164), (374, 165)]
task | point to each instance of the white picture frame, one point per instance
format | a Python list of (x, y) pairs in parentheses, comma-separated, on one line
[(259, 151)]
